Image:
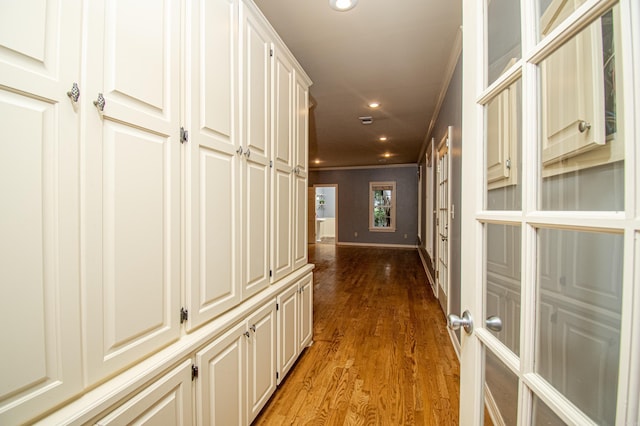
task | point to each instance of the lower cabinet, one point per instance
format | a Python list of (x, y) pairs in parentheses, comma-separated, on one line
[(167, 401), (224, 373), (295, 323)]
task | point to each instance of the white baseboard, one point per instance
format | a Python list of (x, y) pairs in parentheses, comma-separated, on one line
[(402, 246)]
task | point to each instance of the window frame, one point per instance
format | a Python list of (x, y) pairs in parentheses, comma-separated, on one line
[(373, 186)]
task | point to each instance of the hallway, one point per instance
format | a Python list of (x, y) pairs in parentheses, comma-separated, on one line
[(381, 352)]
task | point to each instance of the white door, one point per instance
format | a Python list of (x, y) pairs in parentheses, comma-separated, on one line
[(288, 307), (283, 159), (444, 197), (213, 162), (551, 254), (131, 181), (221, 384), (39, 184), (262, 353), (167, 401), (255, 128)]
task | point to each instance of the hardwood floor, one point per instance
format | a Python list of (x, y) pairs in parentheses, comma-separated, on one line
[(381, 352)]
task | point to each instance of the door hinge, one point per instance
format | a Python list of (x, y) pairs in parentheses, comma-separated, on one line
[(184, 315), (194, 371), (184, 135)]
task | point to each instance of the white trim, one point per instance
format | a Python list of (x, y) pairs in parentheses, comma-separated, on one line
[(430, 277), (398, 246)]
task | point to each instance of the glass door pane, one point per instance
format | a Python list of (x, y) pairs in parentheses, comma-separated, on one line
[(582, 145), (504, 46), (578, 328), (501, 388)]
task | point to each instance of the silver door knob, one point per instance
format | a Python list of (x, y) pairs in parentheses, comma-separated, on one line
[(454, 322), (494, 323)]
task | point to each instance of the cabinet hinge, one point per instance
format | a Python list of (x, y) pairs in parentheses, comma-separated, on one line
[(277, 306), (271, 52), (277, 375), (194, 371), (508, 163), (184, 135), (184, 315), (271, 164), (270, 272)]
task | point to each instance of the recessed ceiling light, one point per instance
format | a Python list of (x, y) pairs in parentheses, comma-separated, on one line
[(317, 161), (374, 104), (382, 138), (342, 5), (387, 155)]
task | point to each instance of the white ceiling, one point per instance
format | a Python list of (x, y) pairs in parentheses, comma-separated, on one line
[(395, 52)]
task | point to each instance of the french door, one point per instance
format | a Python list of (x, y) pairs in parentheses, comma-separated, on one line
[(442, 220), (551, 218)]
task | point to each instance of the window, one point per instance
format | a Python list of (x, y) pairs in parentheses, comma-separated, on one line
[(382, 206)]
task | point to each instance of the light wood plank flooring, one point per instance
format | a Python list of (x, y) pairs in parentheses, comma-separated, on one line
[(381, 352)]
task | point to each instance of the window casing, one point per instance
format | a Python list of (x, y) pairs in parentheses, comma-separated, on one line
[(382, 206)]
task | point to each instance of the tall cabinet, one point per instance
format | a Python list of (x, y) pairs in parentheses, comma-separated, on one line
[(139, 222)]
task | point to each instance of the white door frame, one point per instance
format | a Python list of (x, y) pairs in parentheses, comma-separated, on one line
[(444, 144), (472, 213), (330, 185)]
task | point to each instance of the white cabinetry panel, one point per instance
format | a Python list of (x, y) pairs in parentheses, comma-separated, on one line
[(168, 401), (212, 165), (261, 358), (131, 207), (288, 323), (39, 248), (256, 133), (221, 379), (306, 311)]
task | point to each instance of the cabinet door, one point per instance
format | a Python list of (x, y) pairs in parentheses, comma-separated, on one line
[(131, 182), (261, 358), (306, 311), (255, 137), (167, 401), (301, 142), (283, 165), (39, 250), (212, 194), (287, 330), (221, 384)]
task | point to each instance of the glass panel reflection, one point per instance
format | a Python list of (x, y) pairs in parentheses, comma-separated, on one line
[(504, 45), (502, 388), (582, 142), (502, 278), (543, 415), (578, 327), (503, 149)]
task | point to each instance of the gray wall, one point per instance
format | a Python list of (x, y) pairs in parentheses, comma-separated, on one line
[(353, 203), (450, 115)]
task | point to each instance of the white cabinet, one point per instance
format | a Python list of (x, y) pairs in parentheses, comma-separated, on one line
[(255, 147), (167, 401), (132, 150), (290, 159), (283, 159), (305, 327), (288, 324), (212, 165), (39, 247), (261, 358), (130, 182), (300, 145), (221, 383), (295, 323)]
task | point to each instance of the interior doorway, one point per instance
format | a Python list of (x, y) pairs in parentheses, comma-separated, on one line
[(325, 213)]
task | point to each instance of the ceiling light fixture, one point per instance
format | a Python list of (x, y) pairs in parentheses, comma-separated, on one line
[(343, 5), (382, 138), (374, 105)]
